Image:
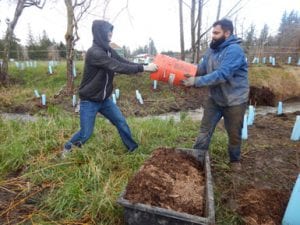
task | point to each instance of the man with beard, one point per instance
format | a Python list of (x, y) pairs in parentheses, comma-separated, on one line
[(96, 87), (224, 70)]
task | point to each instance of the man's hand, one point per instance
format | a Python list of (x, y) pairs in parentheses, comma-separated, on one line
[(151, 67), (189, 81)]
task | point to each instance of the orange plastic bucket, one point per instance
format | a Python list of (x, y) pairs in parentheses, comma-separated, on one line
[(172, 70)]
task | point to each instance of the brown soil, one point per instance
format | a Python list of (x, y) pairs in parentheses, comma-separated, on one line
[(179, 99), (261, 96), (259, 193), (262, 206), (169, 180), (270, 160)]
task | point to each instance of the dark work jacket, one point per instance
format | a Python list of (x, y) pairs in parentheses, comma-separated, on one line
[(101, 63)]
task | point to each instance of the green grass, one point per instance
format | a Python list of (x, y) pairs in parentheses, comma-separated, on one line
[(277, 80), (88, 182), (85, 186)]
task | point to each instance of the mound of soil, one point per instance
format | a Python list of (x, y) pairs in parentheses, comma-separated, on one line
[(261, 96), (262, 206), (270, 166), (169, 180)]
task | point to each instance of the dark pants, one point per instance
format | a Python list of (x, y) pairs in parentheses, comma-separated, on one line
[(233, 120), (88, 112)]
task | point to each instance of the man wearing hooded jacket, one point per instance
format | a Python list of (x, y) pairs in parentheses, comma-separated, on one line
[(96, 87), (224, 70)]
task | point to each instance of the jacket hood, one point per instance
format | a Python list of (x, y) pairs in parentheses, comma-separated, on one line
[(100, 29), (232, 39)]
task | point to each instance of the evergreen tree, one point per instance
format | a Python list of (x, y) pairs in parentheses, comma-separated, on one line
[(126, 51), (250, 38), (263, 38), (62, 50), (146, 49), (152, 48), (289, 30), (139, 50), (31, 45)]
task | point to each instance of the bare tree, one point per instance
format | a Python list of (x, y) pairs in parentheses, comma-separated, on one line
[(75, 10), (193, 22), (11, 24), (219, 9), (198, 24), (199, 27), (182, 55)]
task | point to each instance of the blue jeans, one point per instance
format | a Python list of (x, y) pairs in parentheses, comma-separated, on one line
[(88, 112), (233, 120)]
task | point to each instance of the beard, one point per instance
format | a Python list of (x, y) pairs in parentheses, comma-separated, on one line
[(214, 44)]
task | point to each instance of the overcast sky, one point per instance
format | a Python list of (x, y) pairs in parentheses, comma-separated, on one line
[(144, 19)]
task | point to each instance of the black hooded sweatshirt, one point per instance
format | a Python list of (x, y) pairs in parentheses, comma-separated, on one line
[(101, 63)]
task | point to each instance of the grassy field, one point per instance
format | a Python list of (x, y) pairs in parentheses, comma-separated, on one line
[(284, 81), (83, 188)]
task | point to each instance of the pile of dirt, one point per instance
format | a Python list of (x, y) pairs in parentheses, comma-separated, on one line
[(171, 180), (261, 96), (270, 166), (262, 206)]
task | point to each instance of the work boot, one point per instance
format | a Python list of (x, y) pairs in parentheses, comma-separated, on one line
[(235, 166), (65, 152), (132, 149)]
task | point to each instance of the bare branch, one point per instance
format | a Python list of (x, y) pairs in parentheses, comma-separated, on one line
[(204, 3), (228, 13), (219, 9), (83, 9), (124, 8), (78, 4), (37, 3), (184, 3), (106, 4), (236, 11)]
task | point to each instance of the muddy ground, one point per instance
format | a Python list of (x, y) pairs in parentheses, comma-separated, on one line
[(18, 199), (259, 193), (177, 99), (270, 161)]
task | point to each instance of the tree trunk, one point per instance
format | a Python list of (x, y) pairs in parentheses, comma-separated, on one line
[(193, 27), (21, 4), (219, 9), (199, 19), (4, 68), (69, 37), (7, 42), (181, 31)]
